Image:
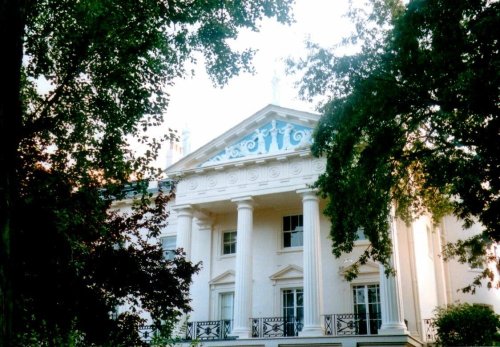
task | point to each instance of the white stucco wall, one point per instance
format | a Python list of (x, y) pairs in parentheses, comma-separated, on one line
[(460, 275)]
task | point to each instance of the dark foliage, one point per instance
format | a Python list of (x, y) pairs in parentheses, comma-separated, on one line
[(68, 258), (412, 120), (466, 325)]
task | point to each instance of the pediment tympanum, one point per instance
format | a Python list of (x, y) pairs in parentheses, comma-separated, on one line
[(287, 273), (275, 137), (369, 268), (225, 277), (272, 132)]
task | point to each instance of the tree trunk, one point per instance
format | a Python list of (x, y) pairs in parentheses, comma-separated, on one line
[(12, 19)]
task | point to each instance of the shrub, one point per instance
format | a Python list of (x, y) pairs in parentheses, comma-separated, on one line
[(466, 325)]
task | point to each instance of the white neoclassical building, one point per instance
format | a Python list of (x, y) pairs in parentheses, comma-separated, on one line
[(245, 209)]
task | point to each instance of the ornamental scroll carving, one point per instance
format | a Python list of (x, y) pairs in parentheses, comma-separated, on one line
[(273, 138)]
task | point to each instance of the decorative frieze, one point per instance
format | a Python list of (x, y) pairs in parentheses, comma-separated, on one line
[(259, 176)]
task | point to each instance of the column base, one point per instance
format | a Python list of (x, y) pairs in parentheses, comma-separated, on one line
[(393, 329), (312, 331), (241, 333)]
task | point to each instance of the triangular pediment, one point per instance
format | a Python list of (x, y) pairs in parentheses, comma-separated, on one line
[(369, 268), (270, 132), (287, 273), (223, 278)]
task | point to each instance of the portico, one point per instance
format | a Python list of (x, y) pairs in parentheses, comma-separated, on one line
[(245, 208)]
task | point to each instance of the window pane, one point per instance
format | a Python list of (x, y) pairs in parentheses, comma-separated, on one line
[(293, 231), (373, 294), (293, 303), (359, 295), (360, 233), (367, 306), (168, 244), (297, 237), (287, 298), (300, 314), (300, 298), (286, 223), (229, 242), (227, 300), (295, 222), (287, 240)]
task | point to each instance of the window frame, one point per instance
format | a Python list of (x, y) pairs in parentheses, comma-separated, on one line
[(367, 320), (232, 243), (292, 328), (168, 253), (287, 230), (221, 301), (295, 306)]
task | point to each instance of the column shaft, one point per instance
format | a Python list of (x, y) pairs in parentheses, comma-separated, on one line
[(184, 228), (390, 291), (313, 283), (243, 276), (201, 252)]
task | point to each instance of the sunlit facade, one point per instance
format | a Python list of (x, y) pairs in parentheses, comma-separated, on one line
[(244, 207)]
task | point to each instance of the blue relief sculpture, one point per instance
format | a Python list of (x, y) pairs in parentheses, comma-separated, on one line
[(273, 138)]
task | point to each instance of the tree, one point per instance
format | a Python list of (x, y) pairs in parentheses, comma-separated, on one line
[(412, 119), (66, 155), (466, 325)]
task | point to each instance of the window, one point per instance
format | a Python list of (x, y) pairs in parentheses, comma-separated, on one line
[(367, 308), (360, 234), (168, 244), (226, 305), (293, 231), (293, 307), (229, 242)]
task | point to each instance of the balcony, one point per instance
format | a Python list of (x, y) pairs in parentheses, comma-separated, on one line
[(346, 324), (276, 327), (209, 330), (430, 330), (351, 324)]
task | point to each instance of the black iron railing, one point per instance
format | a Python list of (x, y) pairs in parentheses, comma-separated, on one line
[(276, 327), (430, 330), (208, 330), (147, 332), (352, 324)]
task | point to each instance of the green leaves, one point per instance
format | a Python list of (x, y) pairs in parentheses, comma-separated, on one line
[(411, 120), (466, 325), (94, 79)]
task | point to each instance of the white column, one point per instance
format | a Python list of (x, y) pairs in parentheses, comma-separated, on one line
[(312, 264), (243, 276), (201, 252), (390, 291), (184, 228)]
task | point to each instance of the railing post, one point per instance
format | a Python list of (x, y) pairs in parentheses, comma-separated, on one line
[(189, 331)]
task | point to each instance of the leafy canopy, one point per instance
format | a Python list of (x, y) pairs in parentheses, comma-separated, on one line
[(411, 119), (68, 257)]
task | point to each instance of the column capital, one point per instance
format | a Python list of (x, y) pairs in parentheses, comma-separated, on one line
[(204, 222), (244, 202), (183, 210), (308, 193)]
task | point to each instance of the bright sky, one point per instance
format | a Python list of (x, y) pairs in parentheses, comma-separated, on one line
[(208, 112)]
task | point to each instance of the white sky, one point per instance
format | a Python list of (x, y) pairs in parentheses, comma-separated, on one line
[(207, 111)]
